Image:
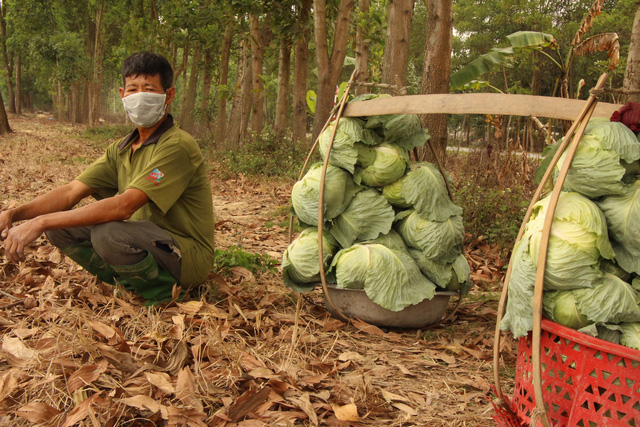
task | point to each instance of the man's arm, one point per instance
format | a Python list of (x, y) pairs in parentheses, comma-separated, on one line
[(117, 208), (58, 199)]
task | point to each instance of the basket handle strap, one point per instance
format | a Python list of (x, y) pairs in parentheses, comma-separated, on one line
[(587, 111)]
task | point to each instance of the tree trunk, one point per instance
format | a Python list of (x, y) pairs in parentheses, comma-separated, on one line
[(227, 38), (301, 63), (96, 83), (395, 59), (436, 71), (8, 59), (259, 39), (284, 73), (19, 84), (182, 70), (247, 102), (235, 118), (329, 66), (362, 47), (632, 72), (60, 100), (4, 120), (188, 108), (206, 86)]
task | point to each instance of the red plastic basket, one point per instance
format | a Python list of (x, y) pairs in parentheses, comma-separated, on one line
[(586, 381)]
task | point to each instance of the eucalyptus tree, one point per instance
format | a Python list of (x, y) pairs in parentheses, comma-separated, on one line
[(396, 51), (302, 12), (284, 24), (329, 63), (362, 46), (436, 69), (7, 56)]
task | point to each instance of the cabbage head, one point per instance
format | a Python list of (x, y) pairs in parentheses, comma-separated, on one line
[(454, 276), (577, 244), (392, 240), (300, 261), (366, 217), (438, 240), (424, 187), (339, 189), (387, 166), (393, 193), (630, 335), (611, 301), (343, 152), (623, 218), (597, 168), (562, 308), (395, 126), (390, 278), (578, 240)]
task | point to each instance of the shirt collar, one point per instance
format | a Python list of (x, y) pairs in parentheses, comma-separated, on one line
[(155, 136)]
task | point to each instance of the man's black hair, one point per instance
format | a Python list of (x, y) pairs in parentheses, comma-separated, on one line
[(148, 64)]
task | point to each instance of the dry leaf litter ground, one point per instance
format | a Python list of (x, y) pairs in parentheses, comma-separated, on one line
[(75, 351)]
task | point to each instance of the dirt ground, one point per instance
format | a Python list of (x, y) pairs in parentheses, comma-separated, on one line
[(251, 353)]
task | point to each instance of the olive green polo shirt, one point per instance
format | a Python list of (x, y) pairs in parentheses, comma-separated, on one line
[(170, 169)]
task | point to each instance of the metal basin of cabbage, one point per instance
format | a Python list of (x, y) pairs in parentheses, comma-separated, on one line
[(356, 303)]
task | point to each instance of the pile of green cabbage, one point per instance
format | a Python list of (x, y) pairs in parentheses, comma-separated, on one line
[(592, 275), (389, 227)]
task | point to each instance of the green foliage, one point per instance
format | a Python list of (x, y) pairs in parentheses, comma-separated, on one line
[(236, 257), (106, 133), (495, 213), (267, 155)]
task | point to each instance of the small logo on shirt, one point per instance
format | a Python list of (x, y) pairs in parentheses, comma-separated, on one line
[(155, 176)]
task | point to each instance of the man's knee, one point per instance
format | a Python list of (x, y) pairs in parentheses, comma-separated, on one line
[(113, 243), (60, 238)]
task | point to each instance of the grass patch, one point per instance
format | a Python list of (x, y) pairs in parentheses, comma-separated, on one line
[(105, 134), (236, 257)]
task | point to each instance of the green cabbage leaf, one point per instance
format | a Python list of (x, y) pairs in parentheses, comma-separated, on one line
[(562, 308), (578, 240), (390, 278), (454, 276), (392, 240), (424, 188), (343, 152), (339, 189), (630, 335), (623, 218), (387, 164), (518, 317), (597, 168), (393, 193), (300, 261), (438, 240), (366, 217), (611, 301)]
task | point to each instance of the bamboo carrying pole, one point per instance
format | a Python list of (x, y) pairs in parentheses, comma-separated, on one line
[(578, 128)]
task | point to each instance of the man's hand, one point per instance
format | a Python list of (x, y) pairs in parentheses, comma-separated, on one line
[(17, 238), (6, 220)]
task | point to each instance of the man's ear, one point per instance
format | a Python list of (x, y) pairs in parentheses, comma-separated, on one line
[(171, 94), (121, 92)]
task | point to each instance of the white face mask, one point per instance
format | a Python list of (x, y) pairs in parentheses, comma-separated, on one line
[(145, 109)]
